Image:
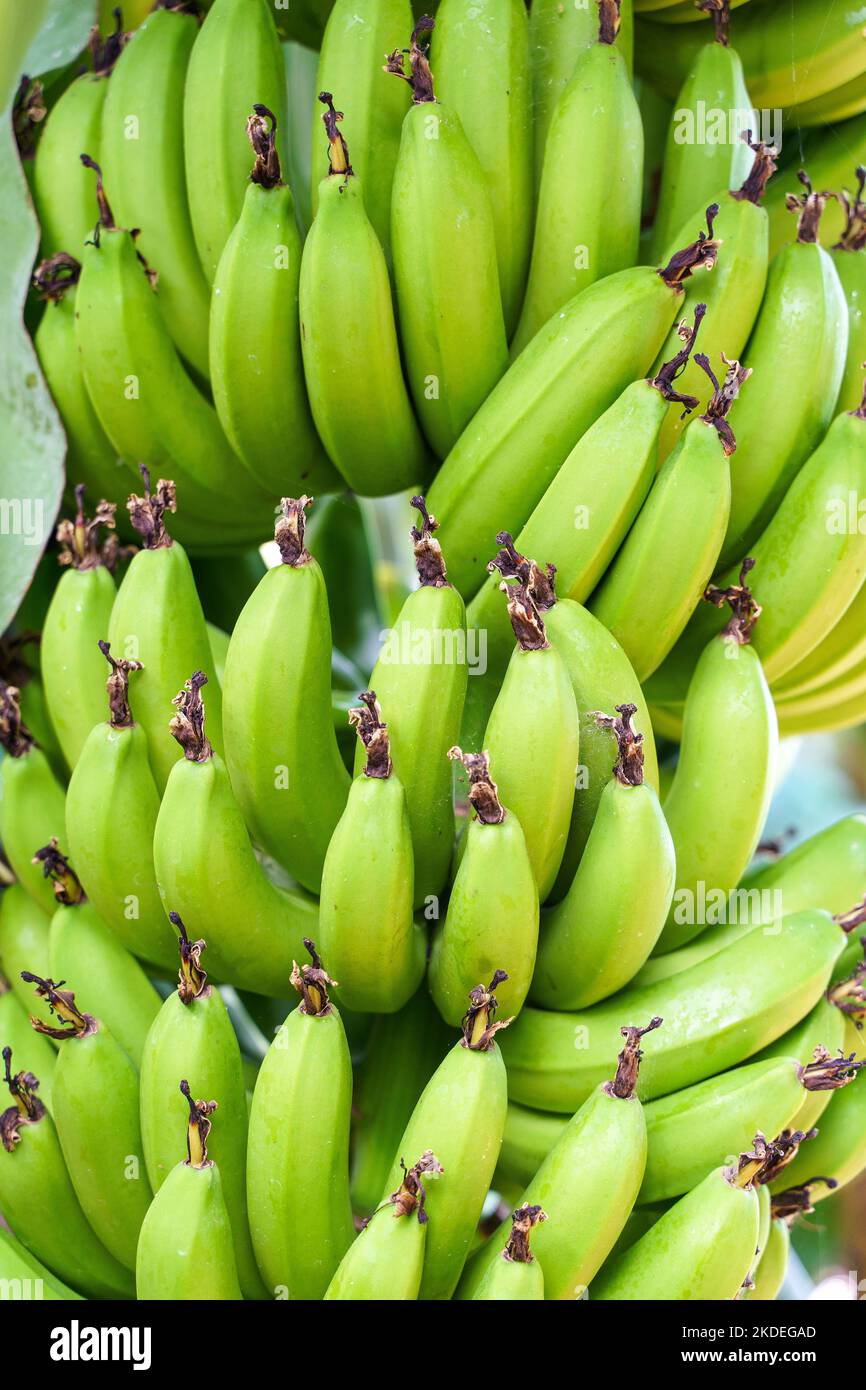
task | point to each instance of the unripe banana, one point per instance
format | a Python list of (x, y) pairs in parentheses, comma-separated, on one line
[(349, 341), (444, 249), (18, 1264), (236, 61), (185, 1247), (589, 208), (516, 1276), (365, 916), (32, 803), (769, 1277), (829, 154), (834, 1157), (298, 1155), (817, 1038), (835, 658), (24, 931), (851, 269), (34, 1053)]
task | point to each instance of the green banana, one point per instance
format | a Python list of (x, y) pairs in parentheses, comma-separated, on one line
[(815, 1039), (297, 1160), (24, 931), (836, 656), (193, 1032), (207, 870), (596, 1166), (851, 269), (354, 377), (677, 11), (480, 55), (421, 675), (829, 154), (595, 940), (773, 1264), (78, 615), (280, 741), (720, 1012), (260, 395), (20, 1269), (844, 715), (516, 1276), (386, 1260), (444, 250), (350, 64), (94, 1103), (185, 1248), (565, 379), (38, 1200), (365, 914), (462, 1112), (33, 1052), (831, 1160), (236, 60), (482, 926), (141, 152), (827, 695), (577, 240), (32, 802)]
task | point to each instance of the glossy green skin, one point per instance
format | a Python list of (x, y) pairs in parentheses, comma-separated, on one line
[(24, 946), (197, 1041), (350, 61), (602, 483), (596, 1166), (111, 809), (357, 393), (385, 1262), (851, 269), (255, 349), (823, 1026), (772, 1266), (63, 189), (702, 1249), (560, 384), (31, 1051), (647, 605), (510, 1281), (486, 930), (528, 1138), (298, 1156), (277, 720), (157, 619), (109, 983), (73, 667), (185, 1248), (839, 1150), (39, 1203), (19, 1265), (32, 812), (236, 61), (595, 940), (732, 294), (718, 801), (800, 338), (577, 241), (533, 739), (480, 61), (420, 681), (601, 677), (837, 656), (366, 931), (827, 695), (694, 170), (445, 273), (95, 1107), (717, 1013), (460, 1115), (144, 174), (207, 871)]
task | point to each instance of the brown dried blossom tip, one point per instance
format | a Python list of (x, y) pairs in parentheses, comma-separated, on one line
[(80, 545), (106, 222), (810, 209), (117, 685), (61, 1003), (28, 112), (262, 135), (105, 50), (608, 20), (826, 1073), (763, 168), (26, 1107), (55, 275), (853, 237), (667, 374), (411, 1196), (797, 1201), (15, 737), (628, 768), (290, 530), (522, 1222), (479, 1030), (483, 792), (540, 583), (419, 76), (720, 13), (429, 561), (701, 253), (854, 918), (850, 995), (723, 397), (767, 1159), (628, 1062), (311, 982), (187, 726), (339, 163), (198, 1129), (147, 513), (192, 977), (373, 733), (745, 611), (67, 885)]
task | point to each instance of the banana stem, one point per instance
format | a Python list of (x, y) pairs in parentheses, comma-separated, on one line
[(338, 151), (266, 169), (106, 216), (55, 275), (797, 1201), (26, 1109), (411, 1195), (810, 209), (79, 542), (512, 565), (720, 12), (311, 982), (187, 726), (522, 1222), (608, 20), (745, 612), (68, 889), (147, 513), (198, 1129), (763, 167), (373, 733), (290, 529), (478, 1027), (628, 768), (483, 793), (15, 737), (855, 917), (429, 561), (28, 112), (624, 1083), (192, 977), (419, 77), (61, 1003), (703, 252), (828, 1073), (669, 371), (723, 397), (853, 237), (767, 1159), (117, 685), (104, 52)]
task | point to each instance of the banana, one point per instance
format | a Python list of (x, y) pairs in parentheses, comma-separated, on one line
[(354, 377), (851, 269), (602, 931), (773, 1264), (19, 1265), (493, 908), (34, 1053), (207, 870), (185, 1247), (421, 674), (280, 742), (720, 1012), (32, 801), (827, 695), (78, 615), (677, 11), (836, 1156), (844, 715), (829, 155), (560, 384), (577, 241), (236, 61), (350, 64), (24, 931), (141, 153), (834, 658), (365, 916), (817, 1039), (444, 249), (516, 1276), (298, 1152)]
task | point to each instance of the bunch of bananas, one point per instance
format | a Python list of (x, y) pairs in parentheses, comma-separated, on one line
[(538, 949)]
